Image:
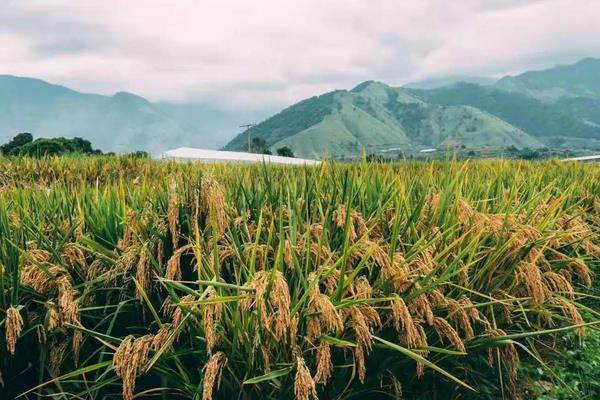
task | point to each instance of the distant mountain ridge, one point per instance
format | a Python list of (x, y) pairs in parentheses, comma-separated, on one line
[(558, 107), (122, 122), (581, 79)]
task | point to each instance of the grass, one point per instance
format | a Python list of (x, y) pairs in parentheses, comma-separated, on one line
[(126, 278)]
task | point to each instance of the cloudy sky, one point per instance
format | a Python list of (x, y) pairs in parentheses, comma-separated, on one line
[(267, 53)]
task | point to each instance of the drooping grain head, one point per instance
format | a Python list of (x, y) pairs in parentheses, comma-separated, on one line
[(324, 363), (559, 284), (582, 271), (403, 323), (530, 277), (279, 299), (173, 271), (362, 288), (456, 312), (304, 385), (445, 331), (178, 310), (464, 212), (212, 203), (67, 304), (437, 298), (256, 297), (161, 337), (357, 226), (13, 327), (142, 273), (211, 314), (173, 211), (42, 280), (326, 316), (57, 355), (570, 311), (421, 307), (72, 253), (359, 325), (212, 372), (508, 354), (130, 361), (424, 263), (359, 359)]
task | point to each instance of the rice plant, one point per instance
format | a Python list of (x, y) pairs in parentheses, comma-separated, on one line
[(128, 278)]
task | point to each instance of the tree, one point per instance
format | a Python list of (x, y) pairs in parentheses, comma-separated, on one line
[(20, 140), (260, 146), (81, 145), (138, 154), (375, 158), (55, 147), (285, 152)]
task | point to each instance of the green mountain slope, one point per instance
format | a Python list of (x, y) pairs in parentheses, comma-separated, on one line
[(380, 118), (586, 109), (543, 120), (578, 80)]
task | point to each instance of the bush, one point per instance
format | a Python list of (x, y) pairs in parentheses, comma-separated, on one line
[(285, 152), (578, 367), (16, 142)]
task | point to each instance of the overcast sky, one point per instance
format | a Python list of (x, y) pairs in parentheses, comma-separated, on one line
[(274, 52)]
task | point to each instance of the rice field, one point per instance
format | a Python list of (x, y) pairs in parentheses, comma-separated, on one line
[(128, 278)]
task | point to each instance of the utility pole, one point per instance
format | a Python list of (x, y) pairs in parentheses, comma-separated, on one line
[(248, 126)]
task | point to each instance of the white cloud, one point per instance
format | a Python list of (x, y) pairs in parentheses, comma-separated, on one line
[(270, 52)]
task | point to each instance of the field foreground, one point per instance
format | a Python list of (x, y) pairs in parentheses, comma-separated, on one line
[(125, 278)]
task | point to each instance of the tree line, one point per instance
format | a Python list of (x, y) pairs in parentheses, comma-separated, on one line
[(23, 144)]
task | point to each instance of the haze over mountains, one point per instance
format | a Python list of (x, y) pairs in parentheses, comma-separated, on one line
[(558, 107), (121, 123)]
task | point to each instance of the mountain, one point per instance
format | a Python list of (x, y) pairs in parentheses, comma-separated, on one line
[(553, 123), (578, 80), (123, 122), (586, 109), (557, 108), (380, 118), (436, 83)]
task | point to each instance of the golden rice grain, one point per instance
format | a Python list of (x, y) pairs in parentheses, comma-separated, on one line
[(13, 326), (212, 372), (304, 385), (324, 363)]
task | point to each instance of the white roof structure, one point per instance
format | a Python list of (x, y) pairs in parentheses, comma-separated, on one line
[(218, 156), (584, 159)]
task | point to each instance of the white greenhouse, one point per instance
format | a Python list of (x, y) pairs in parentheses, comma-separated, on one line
[(218, 156)]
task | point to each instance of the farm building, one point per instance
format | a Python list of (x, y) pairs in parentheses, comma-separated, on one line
[(218, 156)]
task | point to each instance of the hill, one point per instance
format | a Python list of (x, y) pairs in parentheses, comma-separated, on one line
[(557, 108), (559, 123), (380, 118), (578, 80)]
